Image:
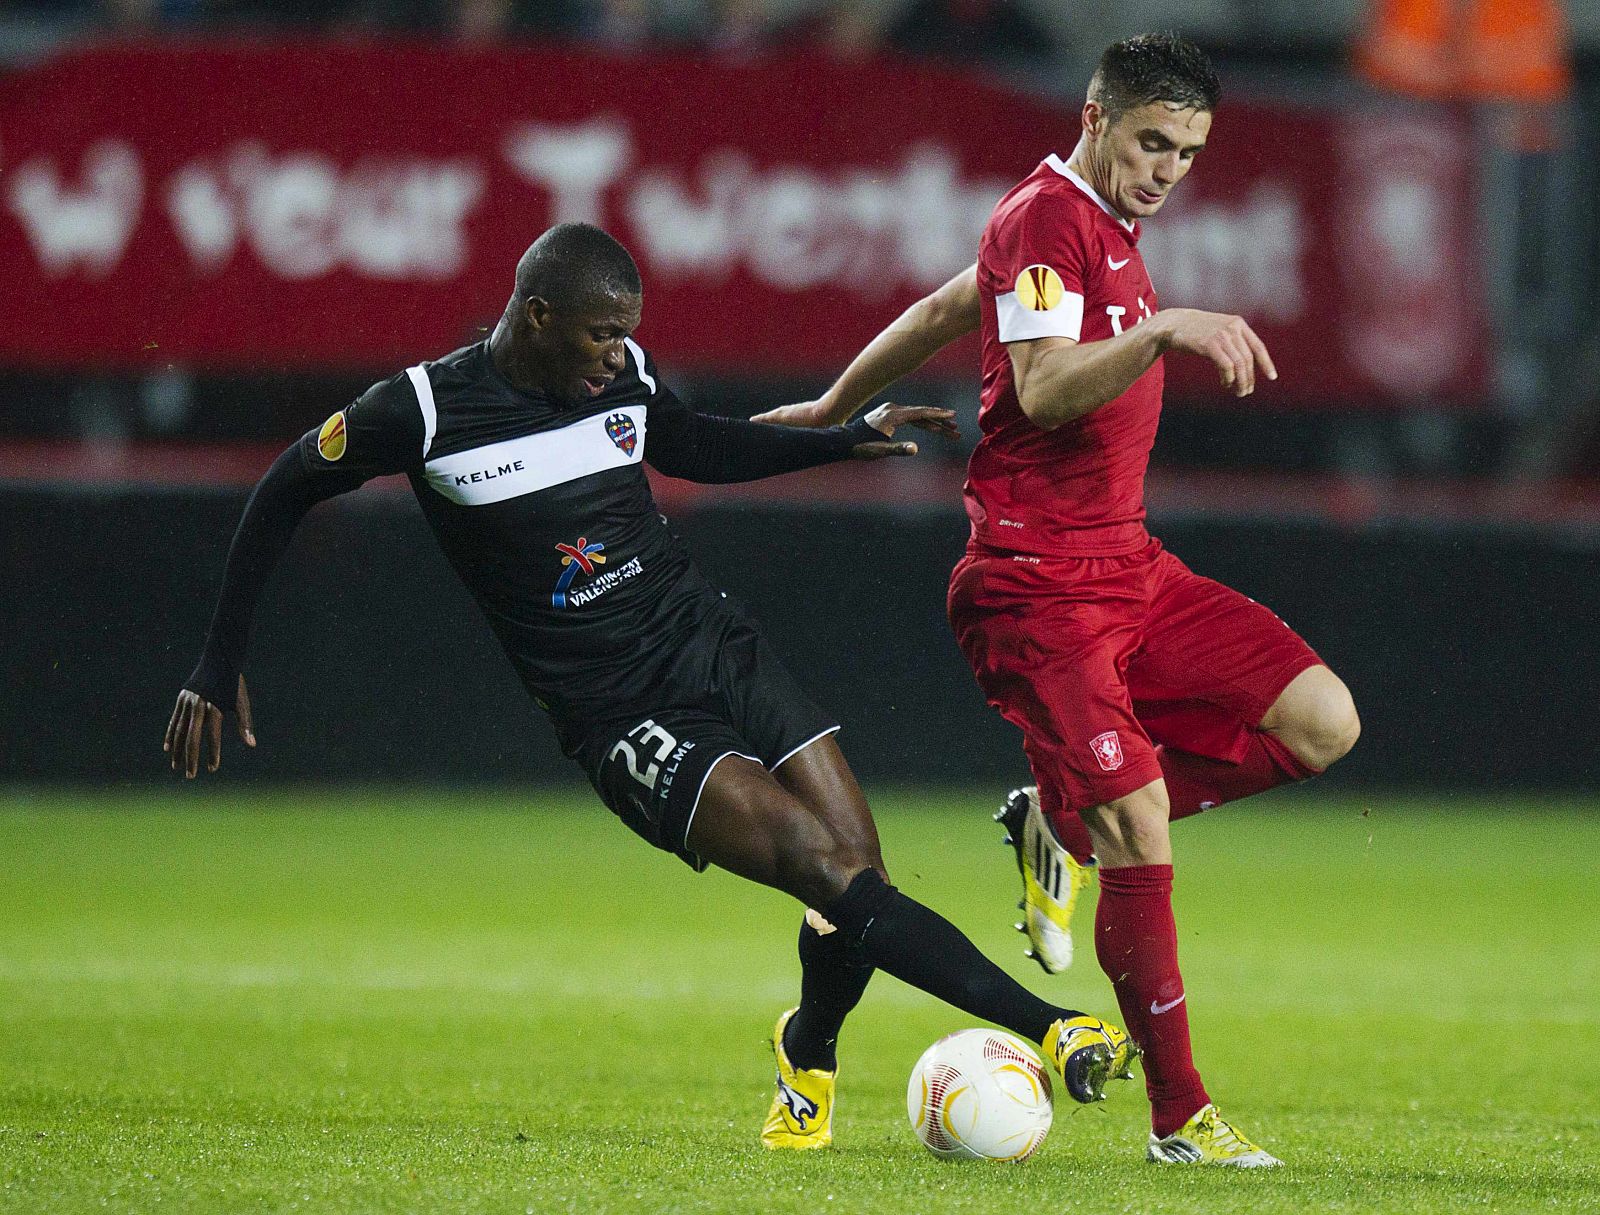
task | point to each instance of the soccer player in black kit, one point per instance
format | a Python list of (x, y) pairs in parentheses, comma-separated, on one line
[(526, 452)]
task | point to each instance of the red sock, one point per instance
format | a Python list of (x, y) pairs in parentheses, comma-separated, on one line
[(1137, 944), (1195, 783)]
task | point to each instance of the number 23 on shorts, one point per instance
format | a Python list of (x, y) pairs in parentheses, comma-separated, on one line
[(654, 742)]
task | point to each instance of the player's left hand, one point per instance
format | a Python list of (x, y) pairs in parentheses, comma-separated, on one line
[(886, 418), (196, 724)]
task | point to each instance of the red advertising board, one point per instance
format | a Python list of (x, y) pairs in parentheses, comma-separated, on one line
[(1347, 239), (363, 205)]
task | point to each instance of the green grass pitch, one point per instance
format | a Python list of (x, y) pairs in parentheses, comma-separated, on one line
[(327, 1001)]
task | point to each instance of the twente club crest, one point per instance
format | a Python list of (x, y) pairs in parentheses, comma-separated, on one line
[(621, 431), (1107, 750)]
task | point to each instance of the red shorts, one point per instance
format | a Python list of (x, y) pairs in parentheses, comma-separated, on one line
[(1099, 659)]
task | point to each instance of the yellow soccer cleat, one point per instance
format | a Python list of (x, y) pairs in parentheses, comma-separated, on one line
[(1208, 1138), (1087, 1052), (1052, 879), (801, 1116)]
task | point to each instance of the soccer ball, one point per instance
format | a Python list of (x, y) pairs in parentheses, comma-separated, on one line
[(980, 1094)]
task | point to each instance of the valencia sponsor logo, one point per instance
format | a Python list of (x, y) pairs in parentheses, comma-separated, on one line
[(585, 557)]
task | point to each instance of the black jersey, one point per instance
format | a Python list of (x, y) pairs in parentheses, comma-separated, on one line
[(543, 509)]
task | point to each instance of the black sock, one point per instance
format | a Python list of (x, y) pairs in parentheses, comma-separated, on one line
[(832, 978), (919, 946)]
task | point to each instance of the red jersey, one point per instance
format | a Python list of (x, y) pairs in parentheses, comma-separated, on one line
[(1056, 261)]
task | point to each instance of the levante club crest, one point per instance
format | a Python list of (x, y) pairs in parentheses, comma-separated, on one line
[(622, 432)]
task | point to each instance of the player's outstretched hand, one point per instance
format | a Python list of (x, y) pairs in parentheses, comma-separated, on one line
[(1231, 345), (886, 418), (197, 723), (819, 413)]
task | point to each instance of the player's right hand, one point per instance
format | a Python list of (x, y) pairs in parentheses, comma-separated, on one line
[(886, 418), (197, 723), (1231, 345)]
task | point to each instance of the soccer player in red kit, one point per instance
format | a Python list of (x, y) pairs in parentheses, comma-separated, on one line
[(1145, 693)]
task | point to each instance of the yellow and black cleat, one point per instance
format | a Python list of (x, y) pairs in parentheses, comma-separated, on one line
[(1052, 880), (1208, 1138), (801, 1117), (1087, 1052)]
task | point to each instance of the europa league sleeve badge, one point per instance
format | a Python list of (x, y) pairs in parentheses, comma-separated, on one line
[(331, 438), (1039, 288)]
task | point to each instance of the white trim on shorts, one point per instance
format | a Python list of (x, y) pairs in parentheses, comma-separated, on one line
[(698, 793), (802, 747)]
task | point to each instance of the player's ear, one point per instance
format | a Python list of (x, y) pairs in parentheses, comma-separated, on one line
[(538, 311), (1094, 119)]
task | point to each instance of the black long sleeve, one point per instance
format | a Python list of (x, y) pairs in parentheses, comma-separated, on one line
[(280, 500), (712, 450), (380, 433)]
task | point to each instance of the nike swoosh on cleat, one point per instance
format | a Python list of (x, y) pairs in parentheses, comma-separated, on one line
[(1157, 1007)]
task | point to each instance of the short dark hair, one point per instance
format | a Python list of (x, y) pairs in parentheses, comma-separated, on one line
[(1154, 67), (573, 265)]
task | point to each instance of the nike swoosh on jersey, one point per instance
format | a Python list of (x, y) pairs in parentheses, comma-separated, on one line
[(1157, 1007), (1116, 265)]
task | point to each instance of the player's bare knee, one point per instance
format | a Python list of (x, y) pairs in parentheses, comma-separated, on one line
[(1340, 731), (1146, 840), (1315, 717), (821, 878), (819, 867), (1132, 830), (1326, 727)]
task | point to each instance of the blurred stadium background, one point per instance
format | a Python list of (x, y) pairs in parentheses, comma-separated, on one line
[(371, 971), (222, 218)]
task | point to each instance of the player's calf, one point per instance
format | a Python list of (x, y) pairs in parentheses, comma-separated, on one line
[(749, 825), (918, 946)]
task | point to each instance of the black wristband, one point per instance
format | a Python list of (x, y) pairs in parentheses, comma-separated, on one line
[(214, 679), (861, 431)]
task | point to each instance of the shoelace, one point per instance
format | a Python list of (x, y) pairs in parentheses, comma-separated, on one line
[(1223, 1134)]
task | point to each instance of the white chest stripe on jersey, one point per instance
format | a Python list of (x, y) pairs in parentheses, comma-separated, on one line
[(1019, 324), (525, 466), (430, 415)]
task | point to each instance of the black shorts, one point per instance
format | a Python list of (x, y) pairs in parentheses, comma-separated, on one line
[(724, 693)]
